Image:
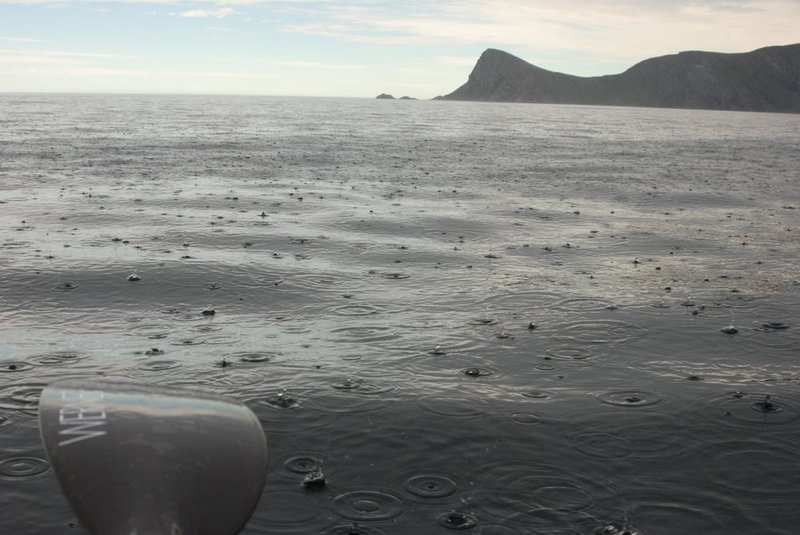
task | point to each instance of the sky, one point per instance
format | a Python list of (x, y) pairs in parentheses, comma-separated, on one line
[(354, 48)]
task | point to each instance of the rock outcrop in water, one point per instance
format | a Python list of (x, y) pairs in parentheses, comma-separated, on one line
[(387, 96), (767, 79)]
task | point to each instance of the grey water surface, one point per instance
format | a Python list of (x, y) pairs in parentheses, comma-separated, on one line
[(501, 319)]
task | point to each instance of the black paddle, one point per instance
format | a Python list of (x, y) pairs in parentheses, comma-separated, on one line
[(136, 460)]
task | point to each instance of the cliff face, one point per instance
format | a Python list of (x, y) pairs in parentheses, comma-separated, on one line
[(767, 79)]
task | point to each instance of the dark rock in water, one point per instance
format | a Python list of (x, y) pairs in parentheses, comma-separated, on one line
[(385, 96), (775, 325), (761, 80), (407, 98), (730, 329), (208, 311)]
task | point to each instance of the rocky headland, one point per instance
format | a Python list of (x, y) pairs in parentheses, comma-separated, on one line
[(767, 80)]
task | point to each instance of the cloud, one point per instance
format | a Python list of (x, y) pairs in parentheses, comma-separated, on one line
[(455, 60), (110, 72), (588, 33), (319, 65), (208, 2), (29, 59), (61, 72), (52, 57), (622, 30), (219, 13), (20, 39)]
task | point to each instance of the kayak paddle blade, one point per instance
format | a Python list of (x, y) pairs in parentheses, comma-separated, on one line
[(136, 460)]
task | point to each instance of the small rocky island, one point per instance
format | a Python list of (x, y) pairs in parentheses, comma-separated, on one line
[(386, 96)]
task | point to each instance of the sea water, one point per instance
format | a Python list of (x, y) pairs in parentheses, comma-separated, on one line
[(506, 319)]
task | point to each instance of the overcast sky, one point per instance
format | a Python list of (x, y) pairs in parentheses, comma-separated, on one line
[(354, 48)]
